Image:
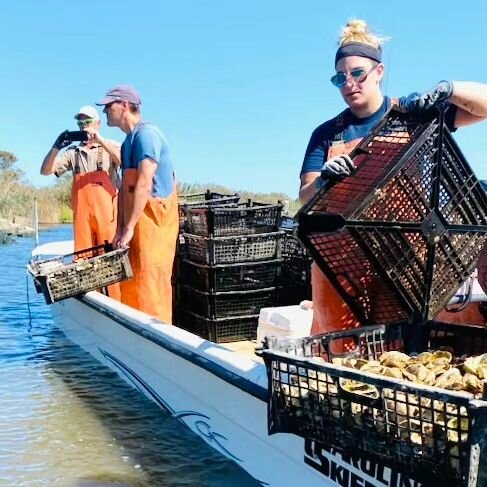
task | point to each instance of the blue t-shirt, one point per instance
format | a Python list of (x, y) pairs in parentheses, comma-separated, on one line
[(147, 142), (351, 128)]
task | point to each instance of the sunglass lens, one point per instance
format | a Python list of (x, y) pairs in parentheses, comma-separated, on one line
[(358, 75), (82, 123), (339, 79)]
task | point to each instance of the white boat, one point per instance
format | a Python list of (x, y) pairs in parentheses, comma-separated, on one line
[(218, 391)]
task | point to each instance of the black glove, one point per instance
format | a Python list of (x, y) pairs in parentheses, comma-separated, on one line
[(337, 168), (416, 103), (62, 141)]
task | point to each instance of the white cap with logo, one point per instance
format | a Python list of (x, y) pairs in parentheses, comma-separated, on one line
[(89, 111)]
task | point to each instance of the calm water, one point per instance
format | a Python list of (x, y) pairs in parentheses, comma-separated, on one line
[(65, 420)]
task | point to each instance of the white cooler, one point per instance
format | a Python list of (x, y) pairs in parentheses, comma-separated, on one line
[(285, 321)]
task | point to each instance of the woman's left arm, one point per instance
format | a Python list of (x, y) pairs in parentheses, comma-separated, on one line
[(470, 98)]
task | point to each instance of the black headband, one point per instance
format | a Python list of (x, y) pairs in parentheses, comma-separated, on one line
[(358, 49)]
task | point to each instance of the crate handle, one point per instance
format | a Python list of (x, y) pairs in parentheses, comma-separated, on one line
[(355, 334)]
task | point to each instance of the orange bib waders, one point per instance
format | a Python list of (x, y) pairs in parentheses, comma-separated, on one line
[(152, 251), (94, 201)]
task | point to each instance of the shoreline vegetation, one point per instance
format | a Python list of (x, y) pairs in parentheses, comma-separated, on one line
[(17, 196)]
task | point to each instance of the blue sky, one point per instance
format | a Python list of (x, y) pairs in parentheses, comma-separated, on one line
[(237, 87)]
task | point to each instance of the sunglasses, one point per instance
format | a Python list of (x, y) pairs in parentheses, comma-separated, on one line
[(359, 75), (83, 123)]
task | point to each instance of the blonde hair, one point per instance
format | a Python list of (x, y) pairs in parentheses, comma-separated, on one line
[(357, 30)]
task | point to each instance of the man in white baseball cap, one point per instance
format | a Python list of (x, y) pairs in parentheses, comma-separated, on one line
[(94, 163), (88, 111)]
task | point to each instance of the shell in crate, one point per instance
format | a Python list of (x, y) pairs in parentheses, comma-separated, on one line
[(230, 220), (209, 198), (422, 415), (230, 277), (222, 330), (225, 304), (231, 250), (77, 273)]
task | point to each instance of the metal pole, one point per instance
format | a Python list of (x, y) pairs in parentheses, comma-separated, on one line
[(36, 221)]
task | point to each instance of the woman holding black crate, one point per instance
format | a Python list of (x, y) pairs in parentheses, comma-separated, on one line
[(359, 71)]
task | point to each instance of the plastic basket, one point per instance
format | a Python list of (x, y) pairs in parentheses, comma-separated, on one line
[(436, 436), (203, 199), (240, 219), (231, 277), (296, 268), (399, 237), (225, 304), (82, 271), (220, 330), (232, 250), (208, 197)]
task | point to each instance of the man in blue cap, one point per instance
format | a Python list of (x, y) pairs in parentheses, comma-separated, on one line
[(148, 217)]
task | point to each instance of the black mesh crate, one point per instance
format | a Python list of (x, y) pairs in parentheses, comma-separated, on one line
[(232, 250), (209, 198), (296, 266), (295, 278), (225, 304), (400, 236), (221, 330), (434, 435), (230, 277), (69, 275), (239, 219)]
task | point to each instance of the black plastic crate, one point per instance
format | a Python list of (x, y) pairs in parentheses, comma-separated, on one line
[(225, 304), (77, 273), (230, 277), (220, 330), (436, 436), (240, 219), (232, 250), (209, 198), (400, 236), (296, 266)]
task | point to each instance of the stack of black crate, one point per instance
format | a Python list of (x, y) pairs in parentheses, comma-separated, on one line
[(185, 200), (230, 268)]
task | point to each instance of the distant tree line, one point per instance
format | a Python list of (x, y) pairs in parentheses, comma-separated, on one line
[(54, 202), (17, 195)]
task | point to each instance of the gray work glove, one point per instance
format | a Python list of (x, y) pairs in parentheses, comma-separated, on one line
[(338, 168), (62, 141), (416, 103)]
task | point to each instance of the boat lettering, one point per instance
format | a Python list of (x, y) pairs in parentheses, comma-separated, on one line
[(352, 470)]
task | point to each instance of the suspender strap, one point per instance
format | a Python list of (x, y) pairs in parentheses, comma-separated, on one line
[(77, 169), (99, 159)]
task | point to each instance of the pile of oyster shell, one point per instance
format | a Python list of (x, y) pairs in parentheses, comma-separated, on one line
[(438, 369), (435, 425)]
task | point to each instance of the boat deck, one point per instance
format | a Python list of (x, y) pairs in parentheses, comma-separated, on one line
[(244, 347)]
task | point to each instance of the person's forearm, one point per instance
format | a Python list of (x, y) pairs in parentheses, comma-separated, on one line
[(307, 191), (471, 97), (47, 167)]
